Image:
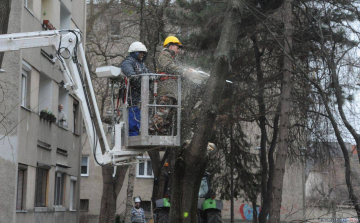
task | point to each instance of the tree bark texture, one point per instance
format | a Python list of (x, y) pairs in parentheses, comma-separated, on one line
[(281, 154), (159, 175), (5, 6), (262, 124), (130, 193), (266, 159), (111, 189), (189, 161)]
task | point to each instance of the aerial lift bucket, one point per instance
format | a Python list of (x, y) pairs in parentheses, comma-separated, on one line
[(126, 146), (149, 107)]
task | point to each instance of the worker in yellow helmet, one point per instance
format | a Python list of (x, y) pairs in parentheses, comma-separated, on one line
[(167, 86), (166, 60)]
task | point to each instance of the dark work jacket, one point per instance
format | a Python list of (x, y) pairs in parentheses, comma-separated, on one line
[(131, 66)]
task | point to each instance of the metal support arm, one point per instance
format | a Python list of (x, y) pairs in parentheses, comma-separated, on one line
[(71, 40)]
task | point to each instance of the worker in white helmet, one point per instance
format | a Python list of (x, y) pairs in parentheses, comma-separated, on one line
[(137, 213), (133, 64)]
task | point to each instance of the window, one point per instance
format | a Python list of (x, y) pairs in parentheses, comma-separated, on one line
[(63, 107), (45, 92), (21, 190), (25, 85), (65, 17), (28, 4), (84, 204), (115, 28), (41, 187), (23, 88), (72, 194), (75, 117), (146, 205), (145, 169), (85, 166), (59, 188)]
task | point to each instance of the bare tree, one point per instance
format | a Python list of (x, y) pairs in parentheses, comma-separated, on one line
[(281, 154), (103, 48), (189, 160)]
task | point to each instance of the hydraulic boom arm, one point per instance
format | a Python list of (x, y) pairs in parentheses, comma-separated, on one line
[(70, 41)]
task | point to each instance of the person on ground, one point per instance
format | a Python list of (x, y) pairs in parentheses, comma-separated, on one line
[(137, 213)]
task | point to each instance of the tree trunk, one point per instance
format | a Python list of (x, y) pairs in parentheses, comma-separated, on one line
[(255, 213), (267, 165), (337, 131), (142, 24), (111, 189), (281, 155), (130, 193), (5, 6), (190, 160), (262, 124), (159, 175)]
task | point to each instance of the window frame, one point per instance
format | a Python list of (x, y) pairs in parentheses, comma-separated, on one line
[(72, 201), (24, 88), (146, 160), (25, 93), (87, 205), (87, 169), (28, 4), (61, 197), (76, 117), (115, 29), (46, 189), (23, 189)]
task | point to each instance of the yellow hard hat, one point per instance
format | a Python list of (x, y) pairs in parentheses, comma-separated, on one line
[(172, 39)]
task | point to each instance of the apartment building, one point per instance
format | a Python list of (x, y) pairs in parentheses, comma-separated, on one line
[(92, 187), (40, 156)]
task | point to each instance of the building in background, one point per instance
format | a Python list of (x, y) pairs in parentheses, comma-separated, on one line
[(40, 159), (92, 187)]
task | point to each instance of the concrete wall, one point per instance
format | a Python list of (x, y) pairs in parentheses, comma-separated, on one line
[(22, 128), (9, 110), (91, 188)]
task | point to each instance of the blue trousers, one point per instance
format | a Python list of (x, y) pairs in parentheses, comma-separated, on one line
[(134, 121)]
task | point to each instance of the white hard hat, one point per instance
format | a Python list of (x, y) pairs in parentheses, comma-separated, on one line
[(137, 47), (137, 199)]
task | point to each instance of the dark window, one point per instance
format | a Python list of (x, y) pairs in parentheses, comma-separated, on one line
[(149, 168), (41, 187), (76, 117), (141, 169), (146, 205), (115, 28), (84, 204), (145, 169), (72, 195), (21, 189), (59, 188)]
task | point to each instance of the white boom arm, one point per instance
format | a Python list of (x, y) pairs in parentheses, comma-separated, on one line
[(71, 40)]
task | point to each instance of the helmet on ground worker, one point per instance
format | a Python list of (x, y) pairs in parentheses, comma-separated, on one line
[(137, 47), (137, 200), (172, 40)]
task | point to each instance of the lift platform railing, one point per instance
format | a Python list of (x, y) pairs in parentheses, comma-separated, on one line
[(148, 108)]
